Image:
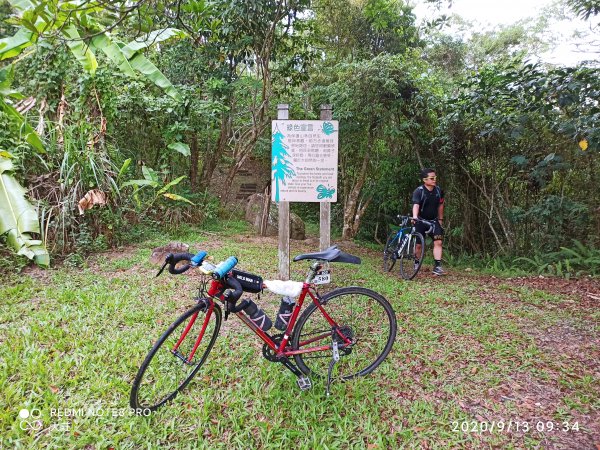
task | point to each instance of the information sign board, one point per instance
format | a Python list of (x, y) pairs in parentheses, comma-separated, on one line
[(304, 160)]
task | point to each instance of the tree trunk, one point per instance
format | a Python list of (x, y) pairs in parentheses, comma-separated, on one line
[(360, 211), (264, 220), (352, 209), (211, 159), (194, 156), (243, 153)]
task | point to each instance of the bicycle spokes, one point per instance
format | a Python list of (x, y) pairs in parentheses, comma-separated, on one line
[(366, 326)]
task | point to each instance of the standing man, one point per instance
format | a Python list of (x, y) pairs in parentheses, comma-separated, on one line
[(428, 204)]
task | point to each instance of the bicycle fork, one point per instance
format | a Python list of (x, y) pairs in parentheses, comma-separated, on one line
[(175, 350)]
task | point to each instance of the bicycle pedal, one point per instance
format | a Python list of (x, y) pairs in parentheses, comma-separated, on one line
[(304, 383)]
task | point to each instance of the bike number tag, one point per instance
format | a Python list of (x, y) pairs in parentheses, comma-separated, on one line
[(322, 277)]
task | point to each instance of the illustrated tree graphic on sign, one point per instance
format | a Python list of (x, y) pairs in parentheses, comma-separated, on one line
[(281, 167)]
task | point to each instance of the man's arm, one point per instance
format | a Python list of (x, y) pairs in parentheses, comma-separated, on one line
[(415, 211), (440, 213)]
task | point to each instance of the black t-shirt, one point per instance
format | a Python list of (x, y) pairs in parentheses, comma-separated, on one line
[(428, 201)]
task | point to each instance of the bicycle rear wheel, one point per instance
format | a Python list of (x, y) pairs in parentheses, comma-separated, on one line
[(362, 315), (168, 368), (410, 259), (389, 252)]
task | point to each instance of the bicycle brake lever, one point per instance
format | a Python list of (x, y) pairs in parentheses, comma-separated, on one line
[(168, 260), (161, 269)]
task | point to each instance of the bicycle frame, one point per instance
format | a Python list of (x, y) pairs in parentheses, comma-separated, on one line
[(402, 232), (216, 292), (406, 232)]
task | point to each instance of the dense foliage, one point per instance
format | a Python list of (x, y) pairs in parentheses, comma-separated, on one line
[(146, 103)]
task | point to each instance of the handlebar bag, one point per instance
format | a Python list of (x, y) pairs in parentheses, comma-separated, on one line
[(250, 282)]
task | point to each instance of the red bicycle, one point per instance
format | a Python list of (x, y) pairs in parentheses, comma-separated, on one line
[(351, 329)]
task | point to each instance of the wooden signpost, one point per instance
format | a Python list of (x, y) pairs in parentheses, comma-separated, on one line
[(325, 207), (283, 113), (304, 163)]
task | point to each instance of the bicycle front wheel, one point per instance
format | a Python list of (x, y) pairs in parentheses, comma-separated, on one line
[(176, 357), (363, 316), (389, 252), (411, 257)]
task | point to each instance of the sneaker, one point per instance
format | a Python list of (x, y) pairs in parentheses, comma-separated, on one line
[(438, 271), (416, 265)]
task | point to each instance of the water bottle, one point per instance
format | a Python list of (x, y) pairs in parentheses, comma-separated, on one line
[(258, 316), (285, 312)]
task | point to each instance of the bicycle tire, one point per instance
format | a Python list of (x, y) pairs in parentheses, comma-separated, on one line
[(149, 380), (408, 267), (389, 252), (374, 336)]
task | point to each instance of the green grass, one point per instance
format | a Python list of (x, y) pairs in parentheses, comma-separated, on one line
[(73, 339)]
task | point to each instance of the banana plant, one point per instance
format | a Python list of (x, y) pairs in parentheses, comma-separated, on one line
[(18, 218), (40, 20), (152, 180)]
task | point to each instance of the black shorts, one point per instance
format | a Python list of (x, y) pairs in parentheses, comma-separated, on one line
[(437, 233)]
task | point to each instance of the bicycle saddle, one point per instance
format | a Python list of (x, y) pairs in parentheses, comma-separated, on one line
[(331, 254)]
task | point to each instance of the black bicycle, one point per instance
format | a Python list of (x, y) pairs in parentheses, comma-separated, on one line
[(407, 246)]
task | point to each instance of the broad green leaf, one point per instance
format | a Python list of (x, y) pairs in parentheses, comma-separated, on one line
[(519, 160), (80, 49), (124, 167), (149, 174), (177, 197), (12, 93), (114, 53), (143, 65), (140, 183), (14, 45), (6, 78), (7, 75), (18, 218), (21, 5), (166, 187), (30, 135), (150, 39), (5, 154), (182, 148), (33, 139), (6, 165)]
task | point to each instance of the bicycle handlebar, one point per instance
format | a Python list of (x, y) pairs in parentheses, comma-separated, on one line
[(219, 272), (173, 259), (234, 296), (431, 223)]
